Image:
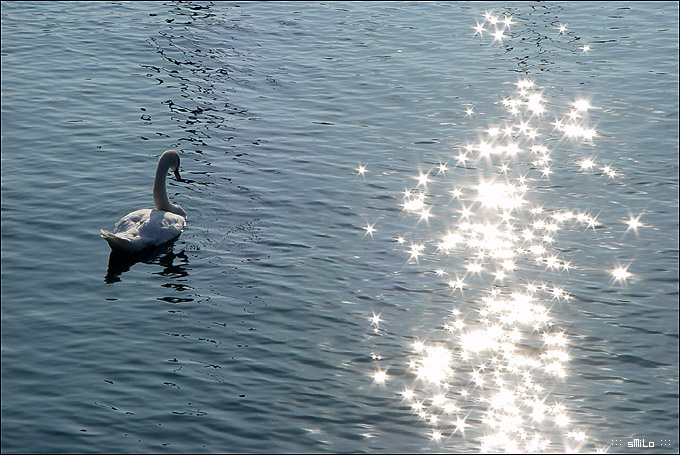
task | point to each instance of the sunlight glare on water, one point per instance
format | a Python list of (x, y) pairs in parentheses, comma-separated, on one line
[(493, 372)]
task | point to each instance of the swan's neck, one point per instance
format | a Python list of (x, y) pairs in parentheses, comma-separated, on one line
[(160, 195)]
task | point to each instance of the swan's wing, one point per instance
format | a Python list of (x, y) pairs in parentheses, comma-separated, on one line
[(161, 226), (131, 223), (126, 233), (144, 228)]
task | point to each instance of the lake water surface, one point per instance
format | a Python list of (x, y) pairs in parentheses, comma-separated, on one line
[(404, 234)]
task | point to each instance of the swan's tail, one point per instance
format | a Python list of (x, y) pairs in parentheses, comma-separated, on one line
[(116, 243)]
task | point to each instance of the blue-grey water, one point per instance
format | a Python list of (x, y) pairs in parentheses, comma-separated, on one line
[(280, 321)]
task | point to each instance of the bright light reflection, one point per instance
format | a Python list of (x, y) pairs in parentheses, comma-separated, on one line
[(634, 224), (493, 359), (380, 377), (621, 274)]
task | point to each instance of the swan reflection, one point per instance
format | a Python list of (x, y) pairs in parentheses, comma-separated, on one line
[(174, 264)]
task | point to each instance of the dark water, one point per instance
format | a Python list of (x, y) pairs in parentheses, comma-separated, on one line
[(255, 330)]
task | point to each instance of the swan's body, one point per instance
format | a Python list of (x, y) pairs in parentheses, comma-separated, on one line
[(144, 228)]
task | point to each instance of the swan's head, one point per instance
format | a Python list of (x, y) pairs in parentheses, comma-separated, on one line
[(172, 158)]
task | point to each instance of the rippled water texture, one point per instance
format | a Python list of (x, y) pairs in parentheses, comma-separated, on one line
[(412, 227)]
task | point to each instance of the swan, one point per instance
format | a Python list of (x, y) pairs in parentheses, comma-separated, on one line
[(144, 228)]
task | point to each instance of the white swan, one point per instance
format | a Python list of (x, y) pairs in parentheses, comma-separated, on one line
[(146, 227)]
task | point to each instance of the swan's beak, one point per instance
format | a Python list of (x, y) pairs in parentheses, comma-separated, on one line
[(177, 174)]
